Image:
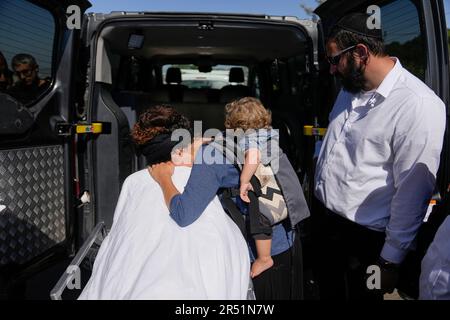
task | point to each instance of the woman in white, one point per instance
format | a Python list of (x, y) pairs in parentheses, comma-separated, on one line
[(147, 255)]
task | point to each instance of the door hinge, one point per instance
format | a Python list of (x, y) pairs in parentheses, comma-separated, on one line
[(63, 129)]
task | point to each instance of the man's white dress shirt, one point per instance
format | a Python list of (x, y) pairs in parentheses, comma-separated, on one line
[(378, 161)]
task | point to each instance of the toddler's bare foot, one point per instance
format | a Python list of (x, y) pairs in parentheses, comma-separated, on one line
[(260, 265)]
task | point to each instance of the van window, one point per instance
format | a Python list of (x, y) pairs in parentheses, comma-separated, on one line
[(403, 36), (447, 18), (26, 47), (217, 78), (297, 70)]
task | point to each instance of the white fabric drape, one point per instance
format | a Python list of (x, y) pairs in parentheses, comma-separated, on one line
[(147, 255)]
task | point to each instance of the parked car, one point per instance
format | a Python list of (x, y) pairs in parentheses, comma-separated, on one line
[(65, 155)]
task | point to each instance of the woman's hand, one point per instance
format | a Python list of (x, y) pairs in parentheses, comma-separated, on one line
[(161, 171)]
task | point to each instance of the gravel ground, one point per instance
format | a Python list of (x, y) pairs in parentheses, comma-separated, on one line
[(392, 296)]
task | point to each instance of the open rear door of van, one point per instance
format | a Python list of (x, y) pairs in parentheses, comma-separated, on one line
[(414, 31), (39, 46)]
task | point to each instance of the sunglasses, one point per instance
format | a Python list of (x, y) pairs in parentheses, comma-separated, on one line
[(334, 60), (25, 73)]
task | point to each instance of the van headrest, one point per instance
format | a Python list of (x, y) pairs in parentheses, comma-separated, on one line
[(236, 75), (173, 75)]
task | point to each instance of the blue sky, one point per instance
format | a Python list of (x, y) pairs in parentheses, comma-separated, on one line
[(274, 7), (447, 12)]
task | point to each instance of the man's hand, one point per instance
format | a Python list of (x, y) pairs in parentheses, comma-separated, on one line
[(161, 171), (389, 275)]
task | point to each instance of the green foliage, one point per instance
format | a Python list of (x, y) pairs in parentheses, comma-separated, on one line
[(411, 54), (448, 36)]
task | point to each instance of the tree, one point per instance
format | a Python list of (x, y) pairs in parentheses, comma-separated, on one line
[(310, 10), (411, 54), (448, 36)]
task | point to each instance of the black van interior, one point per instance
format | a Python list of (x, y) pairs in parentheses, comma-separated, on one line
[(197, 67)]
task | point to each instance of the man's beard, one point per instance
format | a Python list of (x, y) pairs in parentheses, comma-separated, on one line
[(352, 78)]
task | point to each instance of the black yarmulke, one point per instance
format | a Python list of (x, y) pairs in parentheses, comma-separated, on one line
[(358, 23)]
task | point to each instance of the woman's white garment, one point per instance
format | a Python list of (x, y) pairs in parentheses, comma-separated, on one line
[(147, 255)]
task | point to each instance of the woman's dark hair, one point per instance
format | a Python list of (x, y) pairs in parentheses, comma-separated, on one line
[(158, 120)]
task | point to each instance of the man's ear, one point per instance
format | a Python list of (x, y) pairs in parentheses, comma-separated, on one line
[(363, 52)]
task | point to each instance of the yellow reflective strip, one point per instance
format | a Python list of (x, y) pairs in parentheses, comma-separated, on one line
[(312, 131), (94, 128)]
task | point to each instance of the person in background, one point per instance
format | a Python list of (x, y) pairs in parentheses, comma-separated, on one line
[(5, 74), (29, 86), (377, 166), (435, 271)]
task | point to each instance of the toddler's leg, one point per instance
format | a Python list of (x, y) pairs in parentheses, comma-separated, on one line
[(264, 260)]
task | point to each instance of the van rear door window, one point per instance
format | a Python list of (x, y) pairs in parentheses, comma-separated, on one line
[(26, 50), (217, 78), (403, 35)]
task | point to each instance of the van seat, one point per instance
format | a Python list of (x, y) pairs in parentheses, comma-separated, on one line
[(236, 90), (196, 108), (211, 115), (195, 96), (160, 94)]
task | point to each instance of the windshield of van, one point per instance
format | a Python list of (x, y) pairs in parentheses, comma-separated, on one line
[(217, 78)]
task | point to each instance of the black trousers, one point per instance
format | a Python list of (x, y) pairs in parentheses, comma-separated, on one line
[(345, 250), (284, 281)]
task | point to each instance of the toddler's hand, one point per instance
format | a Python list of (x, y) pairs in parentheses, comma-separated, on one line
[(244, 189)]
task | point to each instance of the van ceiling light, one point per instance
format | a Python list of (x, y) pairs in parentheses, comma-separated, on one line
[(136, 41)]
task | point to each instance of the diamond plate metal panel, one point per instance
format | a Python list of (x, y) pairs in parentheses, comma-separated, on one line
[(32, 214)]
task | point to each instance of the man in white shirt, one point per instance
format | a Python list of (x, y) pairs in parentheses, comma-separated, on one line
[(377, 166)]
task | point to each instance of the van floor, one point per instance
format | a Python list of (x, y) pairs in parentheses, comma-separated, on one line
[(39, 286)]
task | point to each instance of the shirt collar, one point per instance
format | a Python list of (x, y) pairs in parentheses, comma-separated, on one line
[(390, 80)]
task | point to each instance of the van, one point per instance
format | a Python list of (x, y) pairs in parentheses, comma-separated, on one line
[(65, 152)]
